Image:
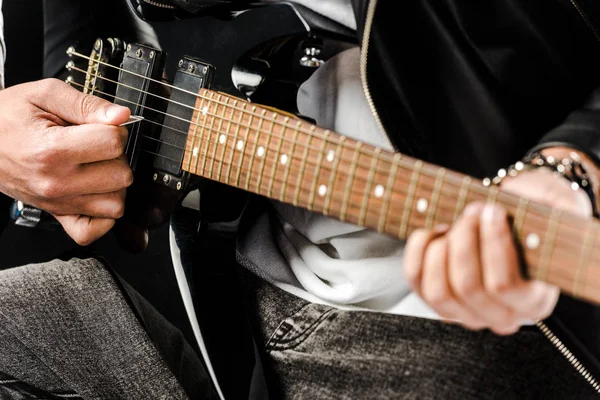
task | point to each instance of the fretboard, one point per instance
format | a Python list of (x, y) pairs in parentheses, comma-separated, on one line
[(286, 159)]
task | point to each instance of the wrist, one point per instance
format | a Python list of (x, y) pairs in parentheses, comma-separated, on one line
[(591, 170)]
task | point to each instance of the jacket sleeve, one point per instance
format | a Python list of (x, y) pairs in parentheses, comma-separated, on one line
[(580, 130)]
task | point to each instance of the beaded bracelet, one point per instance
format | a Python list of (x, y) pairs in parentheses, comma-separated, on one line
[(569, 168)]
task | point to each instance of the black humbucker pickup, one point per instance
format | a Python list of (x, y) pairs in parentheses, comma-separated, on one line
[(191, 76), (139, 80)]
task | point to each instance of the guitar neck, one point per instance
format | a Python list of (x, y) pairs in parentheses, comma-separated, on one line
[(290, 160)]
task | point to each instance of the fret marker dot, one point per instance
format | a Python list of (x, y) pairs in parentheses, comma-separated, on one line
[(195, 152), (240, 145), (261, 151), (422, 205), (222, 139), (379, 191), (205, 110), (331, 156), (284, 159), (532, 241), (322, 190)]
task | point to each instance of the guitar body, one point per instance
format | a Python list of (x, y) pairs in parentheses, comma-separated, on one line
[(259, 55), (251, 57)]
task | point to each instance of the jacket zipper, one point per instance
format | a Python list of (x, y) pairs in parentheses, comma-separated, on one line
[(586, 19), (156, 3), (372, 4), (560, 346), (555, 340)]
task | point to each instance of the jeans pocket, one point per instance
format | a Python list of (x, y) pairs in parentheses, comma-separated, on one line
[(295, 329)]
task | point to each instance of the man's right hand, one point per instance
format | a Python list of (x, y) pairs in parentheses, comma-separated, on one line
[(63, 151)]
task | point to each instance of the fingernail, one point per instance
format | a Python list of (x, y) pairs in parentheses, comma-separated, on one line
[(113, 111), (491, 213), (472, 209), (441, 228)]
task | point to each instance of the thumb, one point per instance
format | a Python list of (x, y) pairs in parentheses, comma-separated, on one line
[(85, 230), (69, 104)]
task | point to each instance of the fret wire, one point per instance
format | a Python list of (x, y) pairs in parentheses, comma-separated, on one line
[(201, 94), (435, 197), (409, 199), (548, 244), (388, 195), (542, 214), (368, 188), (560, 248), (224, 148), (350, 180), (520, 216), (333, 175), (90, 59), (192, 146), (303, 162), (493, 194), (242, 151), (254, 150), (286, 174), (202, 130), (277, 155), (235, 139), (317, 174), (462, 196), (584, 261), (267, 150), (217, 140)]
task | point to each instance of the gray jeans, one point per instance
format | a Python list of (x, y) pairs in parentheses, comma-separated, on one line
[(316, 352), (66, 331)]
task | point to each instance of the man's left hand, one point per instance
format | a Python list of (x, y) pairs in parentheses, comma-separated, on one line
[(470, 272)]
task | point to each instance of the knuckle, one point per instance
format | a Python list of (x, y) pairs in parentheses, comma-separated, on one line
[(44, 157), (467, 287), (48, 188), (82, 238), (499, 287), (48, 87), (436, 297), (128, 178), (120, 211), (462, 252), (115, 143)]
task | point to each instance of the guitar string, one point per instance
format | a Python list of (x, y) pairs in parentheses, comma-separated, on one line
[(243, 111), (378, 169), (162, 83), (383, 156), (208, 142), (544, 209), (512, 200), (245, 126), (241, 125)]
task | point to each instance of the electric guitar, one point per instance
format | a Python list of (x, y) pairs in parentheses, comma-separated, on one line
[(193, 135)]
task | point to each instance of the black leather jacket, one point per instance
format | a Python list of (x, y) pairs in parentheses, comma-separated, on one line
[(474, 86)]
